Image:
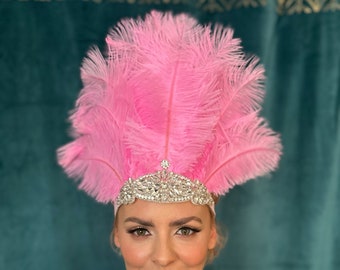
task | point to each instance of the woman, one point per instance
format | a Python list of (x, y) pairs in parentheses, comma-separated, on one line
[(167, 122)]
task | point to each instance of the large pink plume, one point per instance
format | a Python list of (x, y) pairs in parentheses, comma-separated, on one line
[(169, 89)]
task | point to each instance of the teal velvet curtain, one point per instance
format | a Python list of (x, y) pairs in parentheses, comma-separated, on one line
[(289, 220)]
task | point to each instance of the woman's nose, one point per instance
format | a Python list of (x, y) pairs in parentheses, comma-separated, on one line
[(164, 253)]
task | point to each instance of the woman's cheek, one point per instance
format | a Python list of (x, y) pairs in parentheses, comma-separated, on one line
[(135, 255), (193, 256)]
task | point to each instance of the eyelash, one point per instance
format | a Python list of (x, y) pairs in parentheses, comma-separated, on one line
[(139, 232), (190, 231)]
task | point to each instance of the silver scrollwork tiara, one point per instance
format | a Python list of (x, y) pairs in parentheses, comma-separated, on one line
[(164, 187)]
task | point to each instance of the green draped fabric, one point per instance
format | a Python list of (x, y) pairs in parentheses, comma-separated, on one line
[(289, 220)]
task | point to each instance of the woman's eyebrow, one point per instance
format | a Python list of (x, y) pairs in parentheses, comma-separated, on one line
[(185, 220), (139, 221)]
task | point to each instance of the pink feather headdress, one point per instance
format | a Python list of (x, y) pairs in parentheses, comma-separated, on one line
[(169, 89)]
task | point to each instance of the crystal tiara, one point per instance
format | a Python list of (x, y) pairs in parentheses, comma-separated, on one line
[(164, 187)]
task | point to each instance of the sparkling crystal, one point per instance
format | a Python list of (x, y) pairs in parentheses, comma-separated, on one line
[(165, 164)]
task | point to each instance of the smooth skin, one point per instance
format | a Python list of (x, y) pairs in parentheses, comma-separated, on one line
[(174, 236)]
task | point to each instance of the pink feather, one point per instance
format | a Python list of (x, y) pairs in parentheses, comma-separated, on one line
[(169, 89)]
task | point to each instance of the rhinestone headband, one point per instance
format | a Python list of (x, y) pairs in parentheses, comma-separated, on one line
[(164, 187)]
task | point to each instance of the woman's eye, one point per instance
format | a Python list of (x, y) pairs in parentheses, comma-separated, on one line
[(186, 231), (139, 232)]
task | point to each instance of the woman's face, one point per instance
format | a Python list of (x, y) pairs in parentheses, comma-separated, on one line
[(174, 236)]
